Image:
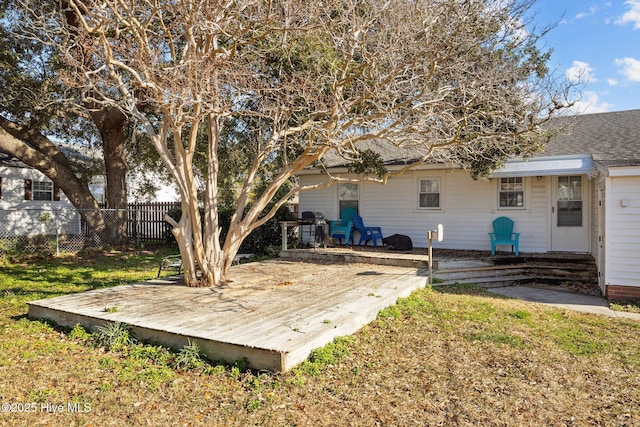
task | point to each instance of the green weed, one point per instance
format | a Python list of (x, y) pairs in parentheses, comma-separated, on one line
[(149, 353), (42, 396), (392, 312), (189, 357), (519, 314), (114, 336), (628, 306), (79, 333), (320, 358), (138, 371)]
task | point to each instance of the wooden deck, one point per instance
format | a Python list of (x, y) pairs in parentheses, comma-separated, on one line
[(274, 313)]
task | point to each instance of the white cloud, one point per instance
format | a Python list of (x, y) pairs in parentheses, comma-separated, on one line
[(592, 11), (590, 103), (630, 68), (632, 15), (612, 82), (580, 72)]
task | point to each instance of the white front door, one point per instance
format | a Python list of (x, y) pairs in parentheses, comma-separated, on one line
[(570, 214)]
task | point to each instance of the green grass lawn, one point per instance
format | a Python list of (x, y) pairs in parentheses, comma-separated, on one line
[(455, 356)]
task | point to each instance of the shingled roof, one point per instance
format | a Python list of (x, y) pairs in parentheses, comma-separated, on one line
[(7, 159), (612, 139), (390, 153)]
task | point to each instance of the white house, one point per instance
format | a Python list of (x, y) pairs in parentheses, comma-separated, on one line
[(582, 194), (30, 204)]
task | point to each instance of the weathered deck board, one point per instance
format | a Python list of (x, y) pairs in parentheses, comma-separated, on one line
[(350, 255), (273, 313)]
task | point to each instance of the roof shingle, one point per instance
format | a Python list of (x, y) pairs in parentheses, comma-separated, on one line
[(613, 139)]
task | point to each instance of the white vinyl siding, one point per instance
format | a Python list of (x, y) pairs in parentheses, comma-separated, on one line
[(466, 214), (34, 217), (13, 190), (623, 233), (322, 200)]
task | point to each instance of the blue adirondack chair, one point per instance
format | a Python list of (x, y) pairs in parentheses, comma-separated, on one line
[(503, 235), (367, 233), (342, 229)]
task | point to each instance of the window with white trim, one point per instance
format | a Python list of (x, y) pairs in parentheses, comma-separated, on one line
[(429, 193), (511, 193), (41, 190)]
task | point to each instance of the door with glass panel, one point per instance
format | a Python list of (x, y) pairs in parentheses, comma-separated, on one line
[(570, 214), (348, 196)]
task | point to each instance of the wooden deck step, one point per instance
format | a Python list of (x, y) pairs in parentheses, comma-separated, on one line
[(490, 282), (462, 275), (507, 275)]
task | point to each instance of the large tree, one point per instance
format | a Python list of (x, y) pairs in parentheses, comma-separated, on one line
[(462, 80), (37, 111)]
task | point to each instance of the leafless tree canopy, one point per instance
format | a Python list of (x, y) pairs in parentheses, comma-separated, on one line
[(461, 80)]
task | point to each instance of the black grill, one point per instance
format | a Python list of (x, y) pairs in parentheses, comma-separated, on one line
[(316, 223), (307, 218)]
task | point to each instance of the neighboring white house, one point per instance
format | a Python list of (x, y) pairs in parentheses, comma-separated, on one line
[(30, 204), (582, 194)]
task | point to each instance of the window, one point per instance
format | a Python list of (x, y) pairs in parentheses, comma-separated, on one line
[(569, 201), (348, 196), (511, 192), (429, 193), (40, 190)]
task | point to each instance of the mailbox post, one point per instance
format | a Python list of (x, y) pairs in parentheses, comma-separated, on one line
[(438, 235)]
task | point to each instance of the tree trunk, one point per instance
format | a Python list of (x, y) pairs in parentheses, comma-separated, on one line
[(110, 123), (213, 250)]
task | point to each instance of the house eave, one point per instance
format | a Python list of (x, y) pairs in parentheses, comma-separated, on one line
[(582, 164), (341, 170), (623, 171), (547, 166)]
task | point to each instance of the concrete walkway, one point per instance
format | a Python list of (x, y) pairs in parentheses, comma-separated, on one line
[(571, 301)]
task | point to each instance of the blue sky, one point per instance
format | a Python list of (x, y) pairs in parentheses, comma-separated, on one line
[(598, 41)]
